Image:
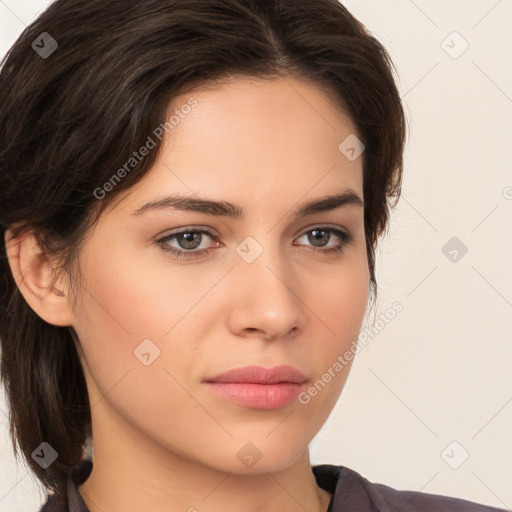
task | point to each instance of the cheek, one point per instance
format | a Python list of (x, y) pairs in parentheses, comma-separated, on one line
[(137, 299), (340, 305), (120, 307), (126, 301), (125, 305), (339, 297)]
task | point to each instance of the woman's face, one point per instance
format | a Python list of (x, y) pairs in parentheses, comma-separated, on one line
[(246, 290)]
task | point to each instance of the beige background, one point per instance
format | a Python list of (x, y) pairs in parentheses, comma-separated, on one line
[(433, 385)]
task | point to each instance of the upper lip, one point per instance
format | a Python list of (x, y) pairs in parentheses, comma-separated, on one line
[(261, 375)]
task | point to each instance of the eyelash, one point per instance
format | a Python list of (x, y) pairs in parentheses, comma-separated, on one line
[(345, 236)]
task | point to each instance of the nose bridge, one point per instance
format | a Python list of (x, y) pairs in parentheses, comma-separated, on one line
[(262, 261), (265, 282)]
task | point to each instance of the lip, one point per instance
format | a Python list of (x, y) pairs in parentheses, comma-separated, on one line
[(258, 387), (259, 375)]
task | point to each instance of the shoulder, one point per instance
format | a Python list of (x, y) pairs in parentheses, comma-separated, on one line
[(353, 492)]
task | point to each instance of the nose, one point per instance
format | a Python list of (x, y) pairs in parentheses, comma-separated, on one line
[(265, 300)]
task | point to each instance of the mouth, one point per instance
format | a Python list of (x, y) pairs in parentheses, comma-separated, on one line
[(257, 387)]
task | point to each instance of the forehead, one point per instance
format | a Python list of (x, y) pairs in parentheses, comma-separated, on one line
[(253, 135), (286, 99)]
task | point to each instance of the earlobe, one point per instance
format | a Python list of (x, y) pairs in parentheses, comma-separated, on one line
[(33, 274)]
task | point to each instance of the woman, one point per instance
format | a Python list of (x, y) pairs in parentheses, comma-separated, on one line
[(191, 198)]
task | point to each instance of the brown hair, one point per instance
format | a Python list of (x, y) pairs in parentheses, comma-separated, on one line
[(68, 119)]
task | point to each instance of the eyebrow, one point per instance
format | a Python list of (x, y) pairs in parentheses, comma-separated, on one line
[(226, 209)]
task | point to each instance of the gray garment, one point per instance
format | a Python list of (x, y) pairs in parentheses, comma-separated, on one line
[(354, 493), (351, 493)]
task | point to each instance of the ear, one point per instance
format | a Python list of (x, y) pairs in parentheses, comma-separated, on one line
[(33, 273)]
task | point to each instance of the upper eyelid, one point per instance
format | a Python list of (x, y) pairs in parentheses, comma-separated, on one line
[(213, 232)]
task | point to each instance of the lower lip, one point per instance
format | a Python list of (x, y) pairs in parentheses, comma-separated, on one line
[(257, 396)]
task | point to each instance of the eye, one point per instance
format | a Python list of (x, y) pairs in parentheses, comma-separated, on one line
[(189, 241), (322, 235)]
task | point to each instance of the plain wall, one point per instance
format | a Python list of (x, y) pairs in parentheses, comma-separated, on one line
[(434, 384)]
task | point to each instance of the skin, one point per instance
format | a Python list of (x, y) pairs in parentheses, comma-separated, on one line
[(162, 440)]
